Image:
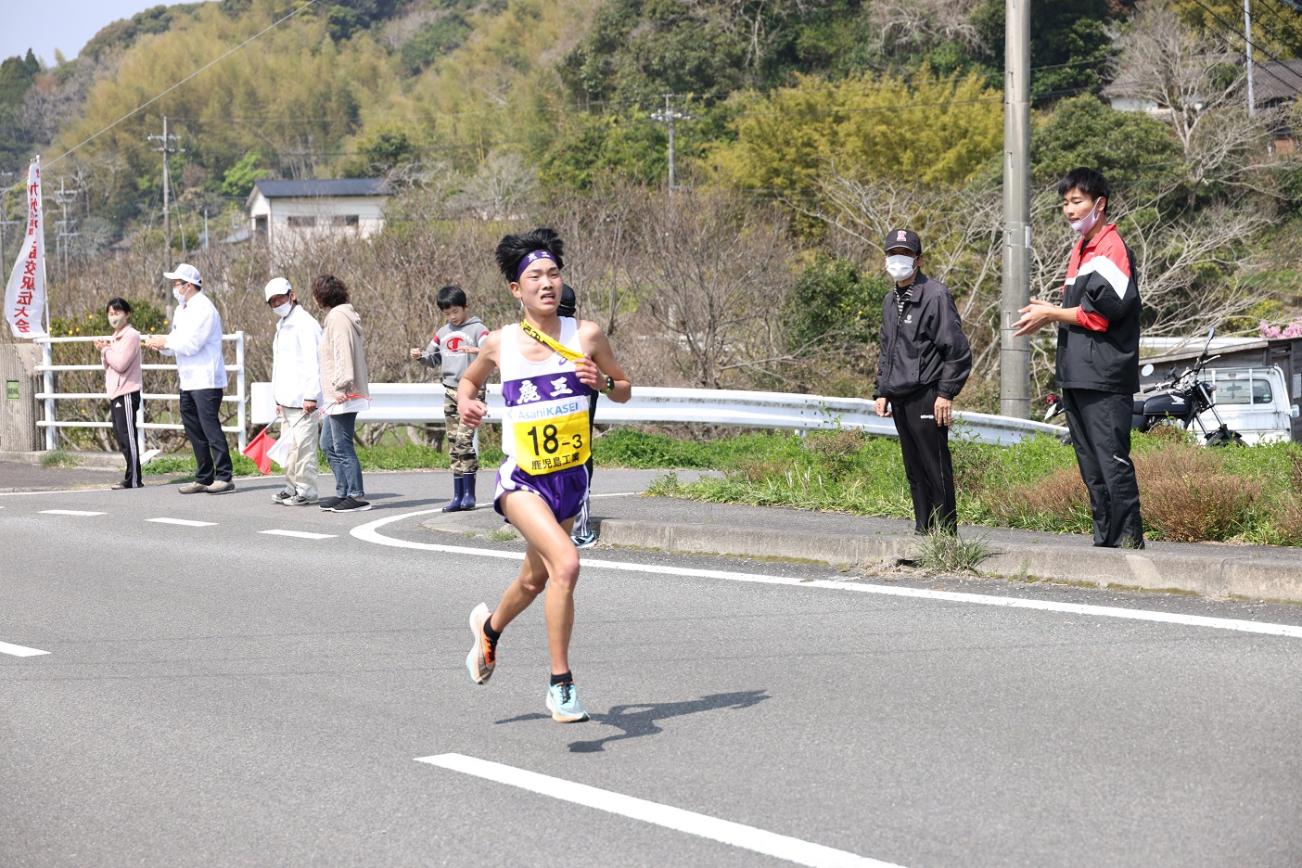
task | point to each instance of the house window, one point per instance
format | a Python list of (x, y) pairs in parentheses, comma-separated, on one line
[(302, 222), (347, 220), (260, 225)]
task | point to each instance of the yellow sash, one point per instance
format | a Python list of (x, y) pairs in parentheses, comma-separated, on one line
[(556, 442), (560, 348)]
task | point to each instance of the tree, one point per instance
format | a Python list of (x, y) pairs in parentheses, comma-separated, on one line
[(1070, 44), (1136, 152), (716, 278), (788, 139), (1198, 87)]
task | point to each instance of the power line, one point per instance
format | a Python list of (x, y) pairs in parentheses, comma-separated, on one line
[(1231, 28), (159, 96)]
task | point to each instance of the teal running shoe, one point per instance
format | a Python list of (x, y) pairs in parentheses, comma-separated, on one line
[(563, 703)]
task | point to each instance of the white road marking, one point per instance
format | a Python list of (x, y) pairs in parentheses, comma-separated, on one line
[(369, 532), (183, 522), (60, 491), (613, 494), (20, 651), (299, 534), (703, 826), (69, 512)]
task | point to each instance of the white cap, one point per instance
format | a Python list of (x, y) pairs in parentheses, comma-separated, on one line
[(277, 286), (187, 272)]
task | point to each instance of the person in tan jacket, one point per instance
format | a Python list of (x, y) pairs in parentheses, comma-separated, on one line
[(122, 383), (345, 392)]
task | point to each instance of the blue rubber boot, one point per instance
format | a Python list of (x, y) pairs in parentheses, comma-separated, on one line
[(468, 491), (458, 492)]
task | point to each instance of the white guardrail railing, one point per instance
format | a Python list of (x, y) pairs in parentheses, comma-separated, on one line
[(50, 398), (413, 403)]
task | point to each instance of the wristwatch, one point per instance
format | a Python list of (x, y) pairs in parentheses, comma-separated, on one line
[(610, 385)]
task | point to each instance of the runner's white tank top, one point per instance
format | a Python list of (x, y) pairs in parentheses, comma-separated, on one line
[(545, 425)]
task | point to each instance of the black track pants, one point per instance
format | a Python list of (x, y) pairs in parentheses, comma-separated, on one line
[(203, 428), (1100, 434), (123, 410), (926, 461)]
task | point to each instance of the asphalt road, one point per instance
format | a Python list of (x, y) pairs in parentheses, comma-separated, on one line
[(218, 695)]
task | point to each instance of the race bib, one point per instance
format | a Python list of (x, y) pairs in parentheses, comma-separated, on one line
[(548, 444)]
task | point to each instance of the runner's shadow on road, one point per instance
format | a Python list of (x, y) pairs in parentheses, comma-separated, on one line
[(640, 720)]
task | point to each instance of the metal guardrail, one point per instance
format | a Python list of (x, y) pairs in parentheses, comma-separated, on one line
[(413, 403), (49, 397)]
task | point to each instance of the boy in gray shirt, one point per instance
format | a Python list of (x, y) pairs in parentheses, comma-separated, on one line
[(450, 351)]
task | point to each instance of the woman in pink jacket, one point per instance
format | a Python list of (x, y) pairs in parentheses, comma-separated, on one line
[(122, 381)]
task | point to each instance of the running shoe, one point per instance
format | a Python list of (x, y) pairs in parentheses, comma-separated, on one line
[(483, 656), (584, 540), (327, 503), (282, 496), (297, 500), (563, 703)]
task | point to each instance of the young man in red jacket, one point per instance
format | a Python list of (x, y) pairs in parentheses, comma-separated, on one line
[(1098, 356)]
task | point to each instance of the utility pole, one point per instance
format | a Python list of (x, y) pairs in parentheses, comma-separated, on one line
[(63, 197), (1014, 352), (668, 115), (166, 145), (1247, 48)]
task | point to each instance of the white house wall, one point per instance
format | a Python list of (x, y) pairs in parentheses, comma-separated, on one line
[(369, 211)]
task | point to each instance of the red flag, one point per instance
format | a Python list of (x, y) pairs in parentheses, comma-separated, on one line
[(258, 448)]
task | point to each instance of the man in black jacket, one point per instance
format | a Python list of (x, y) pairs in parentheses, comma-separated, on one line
[(925, 360), (1098, 356)]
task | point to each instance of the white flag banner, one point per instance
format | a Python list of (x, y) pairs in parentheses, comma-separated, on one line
[(25, 291)]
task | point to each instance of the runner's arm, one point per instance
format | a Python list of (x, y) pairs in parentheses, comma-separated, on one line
[(601, 363)]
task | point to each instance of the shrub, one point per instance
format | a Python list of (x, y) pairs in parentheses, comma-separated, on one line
[(1057, 501), (1188, 495)]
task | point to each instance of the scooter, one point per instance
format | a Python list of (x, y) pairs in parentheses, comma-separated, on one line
[(1180, 401)]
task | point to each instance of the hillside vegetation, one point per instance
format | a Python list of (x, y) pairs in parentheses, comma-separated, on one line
[(806, 129)]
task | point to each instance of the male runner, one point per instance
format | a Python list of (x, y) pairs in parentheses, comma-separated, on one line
[(550, 364)]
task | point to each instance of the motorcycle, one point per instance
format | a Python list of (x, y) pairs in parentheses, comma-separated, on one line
[(1180, 400)]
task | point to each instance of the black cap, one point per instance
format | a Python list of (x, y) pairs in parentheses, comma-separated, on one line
[(903, 238), (569, 302)]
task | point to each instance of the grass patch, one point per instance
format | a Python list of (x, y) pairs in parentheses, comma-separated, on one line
[(1187, 492), (58, 458), (503, 535), (948, 553)]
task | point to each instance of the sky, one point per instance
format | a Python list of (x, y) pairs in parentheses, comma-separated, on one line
[(44, 25)]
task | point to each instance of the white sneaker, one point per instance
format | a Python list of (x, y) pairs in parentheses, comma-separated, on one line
[(482, 658)]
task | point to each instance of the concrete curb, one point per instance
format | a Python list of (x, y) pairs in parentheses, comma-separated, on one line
[(82, 460), (1222, 573)]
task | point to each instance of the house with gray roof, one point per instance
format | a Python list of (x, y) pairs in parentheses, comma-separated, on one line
[(285, 213)]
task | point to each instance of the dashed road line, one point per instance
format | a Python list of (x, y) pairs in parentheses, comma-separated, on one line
[(20, 650), (298, 534), (183, 522), (701, 825), (82, 512)]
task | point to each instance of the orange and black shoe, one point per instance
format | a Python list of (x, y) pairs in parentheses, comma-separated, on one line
[(483, 654)]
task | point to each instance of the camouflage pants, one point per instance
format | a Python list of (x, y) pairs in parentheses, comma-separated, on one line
[(461, 440)]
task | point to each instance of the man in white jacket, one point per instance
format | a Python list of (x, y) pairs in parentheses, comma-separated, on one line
[(296, 385), (196, 342)]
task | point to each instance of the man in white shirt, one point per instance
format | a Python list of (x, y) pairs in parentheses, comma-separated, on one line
[(196, 342), (296, 385)]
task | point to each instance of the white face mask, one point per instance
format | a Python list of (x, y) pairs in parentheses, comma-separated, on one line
[(116, 320), (1086, 223), (178, 294), (900, 266), (282, 310)]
